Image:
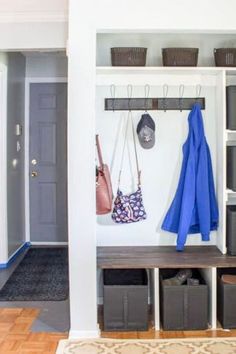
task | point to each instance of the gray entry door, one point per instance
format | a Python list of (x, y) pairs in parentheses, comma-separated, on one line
[(48, 162)]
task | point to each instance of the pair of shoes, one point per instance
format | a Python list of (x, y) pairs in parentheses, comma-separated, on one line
[(228, 279), (192, 281), (180, 278)]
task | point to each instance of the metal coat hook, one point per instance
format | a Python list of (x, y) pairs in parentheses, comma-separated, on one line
[(147, 91), (165, 93), (129, 94), (113, 95), (164, 103), (181, 94), (198, 91)]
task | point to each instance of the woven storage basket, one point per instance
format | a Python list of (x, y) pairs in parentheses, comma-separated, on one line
[(225, 56), (128, 56), (180, 56)]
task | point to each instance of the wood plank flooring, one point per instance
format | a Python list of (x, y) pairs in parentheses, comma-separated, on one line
[(15, 335), (152, 334)]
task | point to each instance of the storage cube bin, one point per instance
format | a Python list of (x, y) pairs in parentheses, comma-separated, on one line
[(183, 307), (179, 56), (125, 294), (226, 300), (231, 229), (231, 167), (231, 107), (128, 56), (225, 56)]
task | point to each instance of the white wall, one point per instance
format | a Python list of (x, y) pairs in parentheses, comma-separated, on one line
[(153, 15), (160, 165), (12, 6), (107, 15), (33, 24), (33, 10), (30, 35), (81, 185)]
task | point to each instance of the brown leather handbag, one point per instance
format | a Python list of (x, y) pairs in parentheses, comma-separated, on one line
[(104, 193)]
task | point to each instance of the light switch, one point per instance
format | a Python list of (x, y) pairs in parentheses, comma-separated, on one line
[(18, 130), (18, 147)]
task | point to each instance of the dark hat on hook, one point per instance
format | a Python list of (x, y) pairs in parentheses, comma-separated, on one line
[(146, 131)]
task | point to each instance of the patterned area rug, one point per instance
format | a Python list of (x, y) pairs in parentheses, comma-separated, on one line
[(158, 346), (42, 275)]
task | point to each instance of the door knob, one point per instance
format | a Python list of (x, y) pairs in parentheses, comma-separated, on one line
[(34, 174)]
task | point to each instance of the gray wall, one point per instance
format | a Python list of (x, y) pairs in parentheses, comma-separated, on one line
[(53, 65), (15, 174)]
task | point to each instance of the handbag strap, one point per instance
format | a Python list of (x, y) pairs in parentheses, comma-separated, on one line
[(99, 152), (130, 117)]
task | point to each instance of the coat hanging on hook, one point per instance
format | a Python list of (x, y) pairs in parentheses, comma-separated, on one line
[(194, 208)]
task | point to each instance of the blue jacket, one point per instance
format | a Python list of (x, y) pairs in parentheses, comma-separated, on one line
[(194, 208)]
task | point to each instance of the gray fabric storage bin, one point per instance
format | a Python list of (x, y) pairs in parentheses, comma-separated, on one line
[(183, 307), (231, 107), (125, 299), (231, 167), (226, 300), (231, 229)]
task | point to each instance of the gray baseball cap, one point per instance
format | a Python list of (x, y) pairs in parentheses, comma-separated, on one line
[(146, 131)]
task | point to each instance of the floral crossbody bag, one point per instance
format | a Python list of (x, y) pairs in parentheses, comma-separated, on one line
[(129, 208)]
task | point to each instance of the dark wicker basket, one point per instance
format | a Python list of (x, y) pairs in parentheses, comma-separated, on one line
[(225, 56), (128, 56), (180, 56)]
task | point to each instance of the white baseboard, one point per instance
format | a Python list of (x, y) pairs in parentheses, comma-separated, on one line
[(49, 243), (84, 334)]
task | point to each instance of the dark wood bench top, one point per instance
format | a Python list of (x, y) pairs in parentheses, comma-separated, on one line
[(162, 257)]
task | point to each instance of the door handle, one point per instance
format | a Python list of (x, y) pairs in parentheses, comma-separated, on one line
[(34, 174)]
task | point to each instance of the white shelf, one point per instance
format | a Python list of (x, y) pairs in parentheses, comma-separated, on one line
[(159, 69), (231, 193), (230, 71), (230, 137), (158, 75), (228, 131)]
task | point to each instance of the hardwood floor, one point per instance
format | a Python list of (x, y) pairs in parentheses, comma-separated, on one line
[(152, 334), (15, 335)]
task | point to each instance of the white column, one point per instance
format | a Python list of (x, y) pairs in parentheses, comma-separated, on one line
[(81, 173), (156, 300)]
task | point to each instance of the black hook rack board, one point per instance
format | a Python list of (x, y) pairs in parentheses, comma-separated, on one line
[(153, 104)]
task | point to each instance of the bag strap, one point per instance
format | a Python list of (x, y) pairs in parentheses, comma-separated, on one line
[(99, 152), (136, 153), (130, 117)]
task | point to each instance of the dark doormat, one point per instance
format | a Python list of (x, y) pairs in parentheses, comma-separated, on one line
[(42, 275)]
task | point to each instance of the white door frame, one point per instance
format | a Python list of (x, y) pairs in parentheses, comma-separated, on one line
[(3, 164), (28, 81)]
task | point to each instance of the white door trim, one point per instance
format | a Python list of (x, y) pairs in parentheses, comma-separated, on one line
[(28, 81), (3, 164)]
